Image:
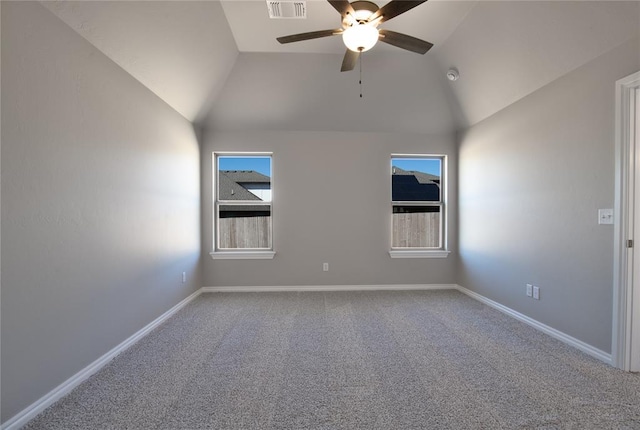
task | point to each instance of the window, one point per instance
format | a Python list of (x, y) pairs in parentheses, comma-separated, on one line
[(418, 226), (242, 206)]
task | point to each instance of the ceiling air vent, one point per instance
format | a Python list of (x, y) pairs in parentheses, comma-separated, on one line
[(287, 9)]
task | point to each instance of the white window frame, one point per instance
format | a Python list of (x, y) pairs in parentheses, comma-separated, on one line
[(442, 251), (238, 253)]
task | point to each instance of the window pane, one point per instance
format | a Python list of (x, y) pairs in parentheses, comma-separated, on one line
[(416, 179), (244, 226), (416, 227), (244, 178)]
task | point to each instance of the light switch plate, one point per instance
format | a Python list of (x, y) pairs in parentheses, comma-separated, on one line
[(605, 216)]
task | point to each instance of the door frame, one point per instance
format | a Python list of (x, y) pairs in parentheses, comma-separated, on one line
[(626, 168)]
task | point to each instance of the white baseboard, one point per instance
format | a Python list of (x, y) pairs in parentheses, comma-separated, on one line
[(557, 334), (65, 388), (396, 287)]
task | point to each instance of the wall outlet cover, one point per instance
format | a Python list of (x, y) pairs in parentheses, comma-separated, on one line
[(605, 216)]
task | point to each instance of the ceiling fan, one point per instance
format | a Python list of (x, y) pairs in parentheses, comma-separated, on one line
[(360, 31)]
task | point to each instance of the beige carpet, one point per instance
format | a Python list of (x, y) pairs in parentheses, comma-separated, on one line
[(348, 360)]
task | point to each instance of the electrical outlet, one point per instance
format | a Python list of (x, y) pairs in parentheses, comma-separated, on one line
[(536, 292), (529, 290), (325, 267), (184, 277)]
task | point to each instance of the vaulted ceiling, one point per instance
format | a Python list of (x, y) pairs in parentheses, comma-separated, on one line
[(218, 62)]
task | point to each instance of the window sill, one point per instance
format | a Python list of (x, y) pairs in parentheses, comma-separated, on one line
[(436, 253), (242, 255)]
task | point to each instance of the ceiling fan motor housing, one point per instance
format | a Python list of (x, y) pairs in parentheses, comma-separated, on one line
[(363, 10)]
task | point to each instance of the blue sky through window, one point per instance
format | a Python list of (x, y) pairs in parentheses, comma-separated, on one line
[(263, 164), (258, 164), (431, 166)]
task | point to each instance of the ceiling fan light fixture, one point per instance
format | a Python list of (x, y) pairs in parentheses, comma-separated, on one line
[(360, 37)]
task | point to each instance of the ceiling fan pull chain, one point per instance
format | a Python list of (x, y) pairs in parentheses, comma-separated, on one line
[(360, 81)]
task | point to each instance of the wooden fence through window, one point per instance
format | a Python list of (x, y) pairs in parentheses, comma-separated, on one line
[(245, 232), (410, 230), (416, 230)]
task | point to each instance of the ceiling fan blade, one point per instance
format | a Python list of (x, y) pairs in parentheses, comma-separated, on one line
[(308, 36), (395, 8), (342, 6), (349, 61), (405, 42)]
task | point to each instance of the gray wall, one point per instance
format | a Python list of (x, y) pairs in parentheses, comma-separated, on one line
[(331, 204), (532, 178), (331, 163), (402, 93), (100, 205)]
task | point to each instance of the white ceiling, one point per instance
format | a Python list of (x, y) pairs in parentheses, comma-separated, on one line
[(180, 50), (505, 50), (184, 51)]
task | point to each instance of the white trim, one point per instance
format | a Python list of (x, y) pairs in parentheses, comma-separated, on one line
[(30, 412), (242, 255), (301, 288), (443, 204), (222, 254), (622, 282), (557, 334), (439, 253)]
